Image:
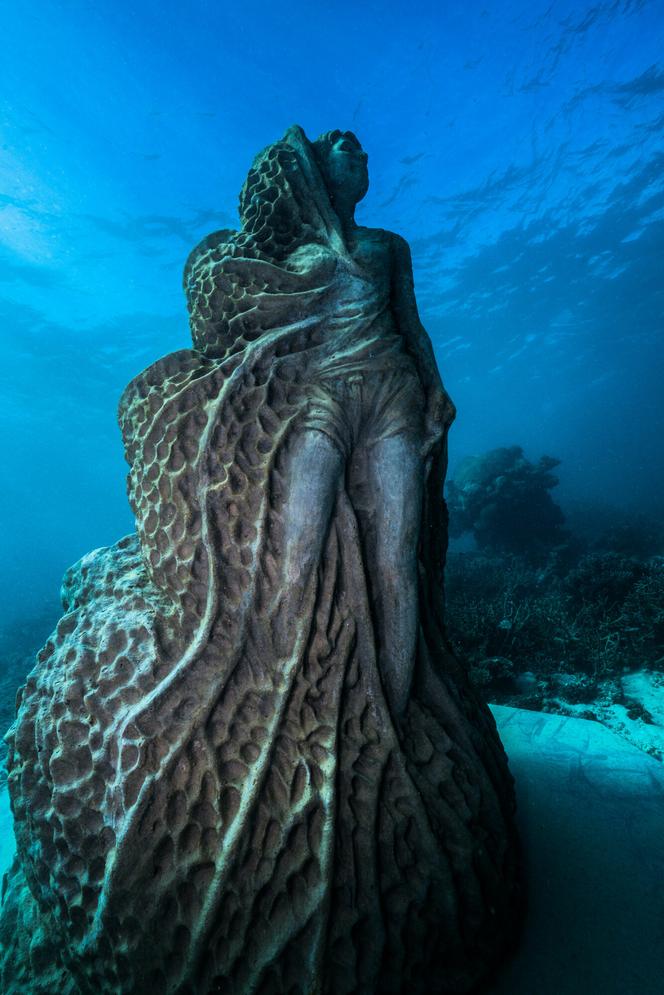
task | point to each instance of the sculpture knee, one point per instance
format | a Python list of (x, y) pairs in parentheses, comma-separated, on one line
[(396, 544), (316, 471), (302, 555)]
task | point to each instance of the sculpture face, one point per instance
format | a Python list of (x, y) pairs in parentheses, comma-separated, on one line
[(346, 168)]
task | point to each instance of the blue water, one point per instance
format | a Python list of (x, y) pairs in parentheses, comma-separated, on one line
[(518, 146)]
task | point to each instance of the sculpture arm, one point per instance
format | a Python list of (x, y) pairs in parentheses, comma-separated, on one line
[(440, 409)]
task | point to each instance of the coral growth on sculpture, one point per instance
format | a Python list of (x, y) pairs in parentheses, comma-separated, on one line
[(246, 760)]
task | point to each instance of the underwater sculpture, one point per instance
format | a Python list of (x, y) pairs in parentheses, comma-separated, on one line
[(246, 760)]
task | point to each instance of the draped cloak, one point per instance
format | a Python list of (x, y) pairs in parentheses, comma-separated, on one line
[(208, 799)]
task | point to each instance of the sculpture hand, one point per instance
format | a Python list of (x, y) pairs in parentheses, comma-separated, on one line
[(438, 415)]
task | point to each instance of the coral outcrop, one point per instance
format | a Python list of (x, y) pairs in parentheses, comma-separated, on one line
[(504, 500)]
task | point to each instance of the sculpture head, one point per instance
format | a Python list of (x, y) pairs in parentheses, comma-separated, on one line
[(343, 163)]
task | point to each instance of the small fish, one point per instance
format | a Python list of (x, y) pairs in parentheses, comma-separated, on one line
[(408, 160)]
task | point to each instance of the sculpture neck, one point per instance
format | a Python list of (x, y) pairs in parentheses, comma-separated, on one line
[(345, 210)]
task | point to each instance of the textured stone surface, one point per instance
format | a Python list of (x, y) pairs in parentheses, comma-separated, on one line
[(246, 760), (590, 810)]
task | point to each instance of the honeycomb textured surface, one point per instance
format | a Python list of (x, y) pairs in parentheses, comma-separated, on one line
[(209, 800)]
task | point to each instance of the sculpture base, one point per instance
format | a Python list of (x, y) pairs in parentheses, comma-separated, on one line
[(272, 835)]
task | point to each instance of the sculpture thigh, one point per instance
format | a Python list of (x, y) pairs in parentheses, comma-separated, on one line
[(315, 473), (385, 481), (386, 489)]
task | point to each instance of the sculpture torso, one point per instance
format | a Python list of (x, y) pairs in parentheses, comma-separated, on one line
[(358, 303)]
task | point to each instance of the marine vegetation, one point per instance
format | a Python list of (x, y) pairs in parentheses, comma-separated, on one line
[(604, 615), (549, 617)]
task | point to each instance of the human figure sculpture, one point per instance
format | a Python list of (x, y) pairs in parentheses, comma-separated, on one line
[(247, 761)]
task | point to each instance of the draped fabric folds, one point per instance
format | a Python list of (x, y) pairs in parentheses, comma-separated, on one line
[(261, 823)]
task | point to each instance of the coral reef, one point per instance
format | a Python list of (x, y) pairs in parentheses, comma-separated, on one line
[(605, 615), (503, 499), (576, 629)]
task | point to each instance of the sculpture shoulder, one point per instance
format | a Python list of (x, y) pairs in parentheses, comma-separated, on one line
[(378, 247), (387, 241), (400, 246), (382, 235)]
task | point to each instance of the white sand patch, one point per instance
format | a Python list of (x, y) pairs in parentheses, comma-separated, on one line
[(639, 718)]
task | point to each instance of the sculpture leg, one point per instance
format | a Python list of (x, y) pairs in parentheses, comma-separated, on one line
[(393, 472), (314, 476)]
